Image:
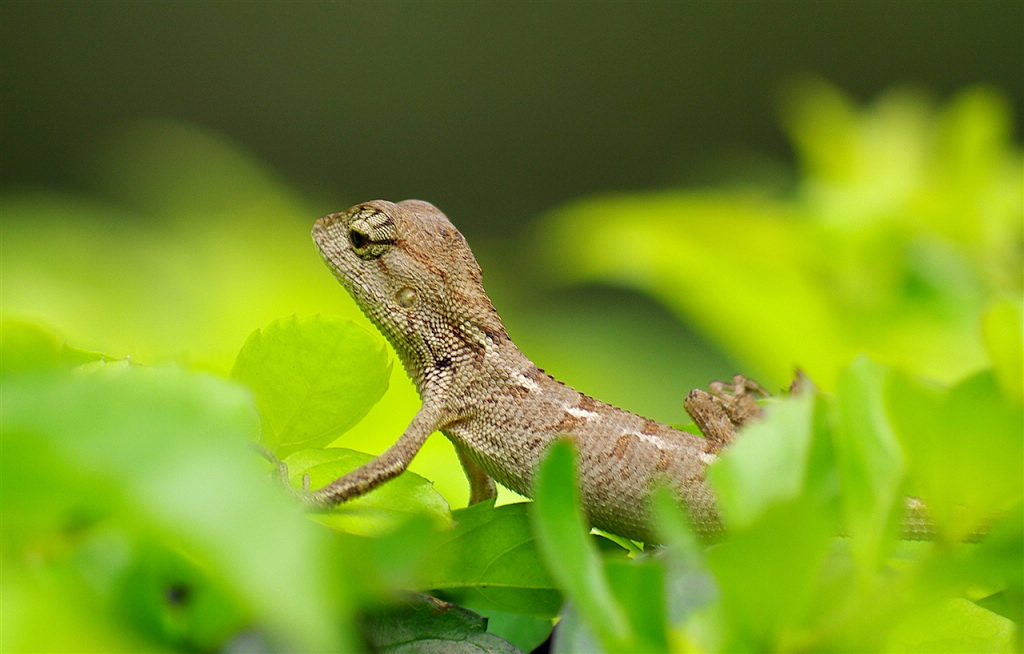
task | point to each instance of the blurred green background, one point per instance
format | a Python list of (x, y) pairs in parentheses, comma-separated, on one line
[(660, 194)]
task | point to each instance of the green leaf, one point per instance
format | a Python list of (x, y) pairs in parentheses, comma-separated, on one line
[(1001, 556), (639, 588), (769, 462), (955, 625), (32, 623), (382, 509), (1003, 330), (776, 485), (174, 599), (313, 379), (870, 461), (569, 554), (691, 586), (490, 561), (155, 454), (524, 631), (421, 624), (767, 573), (25, 347), (955, 438)]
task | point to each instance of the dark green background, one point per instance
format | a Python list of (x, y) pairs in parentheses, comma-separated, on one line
[(493, 111), (496, 112)]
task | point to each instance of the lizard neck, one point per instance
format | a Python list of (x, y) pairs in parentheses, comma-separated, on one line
[(462, 357)]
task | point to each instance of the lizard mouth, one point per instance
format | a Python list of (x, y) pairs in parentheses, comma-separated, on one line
[(330, 237)]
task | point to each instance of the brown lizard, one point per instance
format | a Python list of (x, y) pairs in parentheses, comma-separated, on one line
[(413, 274)]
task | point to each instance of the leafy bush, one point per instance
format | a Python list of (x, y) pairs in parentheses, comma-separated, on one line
[(136, 515)]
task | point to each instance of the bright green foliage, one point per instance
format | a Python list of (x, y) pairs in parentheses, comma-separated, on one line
[(136, 516), (749, 479), (524, 631), (965, 449), (181, 540), (131, 493), (956, 625), (29, 348), (870, 463), (313, 379), (1003, 331), (905, 223)]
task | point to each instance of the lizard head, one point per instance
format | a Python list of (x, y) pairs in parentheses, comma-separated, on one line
[(413, 274)]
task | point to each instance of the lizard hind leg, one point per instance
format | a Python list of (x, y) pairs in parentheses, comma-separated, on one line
[(720, 413), (481, 486)]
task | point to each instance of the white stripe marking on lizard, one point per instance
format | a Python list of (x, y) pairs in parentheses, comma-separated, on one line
[(583, 413)]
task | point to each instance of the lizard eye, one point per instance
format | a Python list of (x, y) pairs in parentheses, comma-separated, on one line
[(371, 234), (359, 240)]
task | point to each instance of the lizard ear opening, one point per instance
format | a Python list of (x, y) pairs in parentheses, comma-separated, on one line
[(406, 297)]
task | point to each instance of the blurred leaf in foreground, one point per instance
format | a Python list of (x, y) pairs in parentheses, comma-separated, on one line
[(772, 463), (964, 447), (778, 499), (123, 482), (812, 494), (622, 605), (26, 347), (870, 462), (1003, 331)]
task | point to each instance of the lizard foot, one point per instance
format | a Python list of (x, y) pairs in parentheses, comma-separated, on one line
[(304, 494), (720, 413)]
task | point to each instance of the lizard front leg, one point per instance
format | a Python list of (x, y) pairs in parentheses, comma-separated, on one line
[(389, 464)]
